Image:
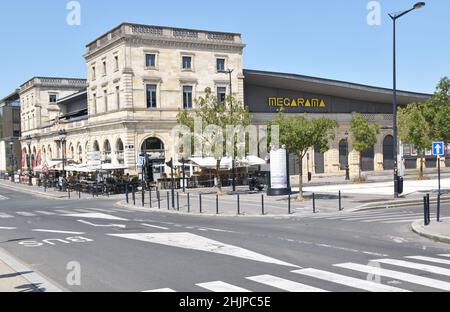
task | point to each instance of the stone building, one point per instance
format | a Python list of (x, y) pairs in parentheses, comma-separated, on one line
[(140, 76)]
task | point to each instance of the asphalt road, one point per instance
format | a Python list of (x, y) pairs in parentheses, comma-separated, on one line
[(124, 250)]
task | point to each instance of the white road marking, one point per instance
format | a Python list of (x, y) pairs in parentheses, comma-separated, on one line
[(25, 214), (199, 243), (222, 287), (154, 226), (410, 278), (404, 219), (103, 225), (416, 266), (394, 216), (284, 284), (447, 256), (3, 197), (64, 211), (61, 232), (5, 216), (8, 228), (47, 213), (101, 210), (83, 210), (162, 290), (348, 281), (401, 221), (95, 215), (429, 259)]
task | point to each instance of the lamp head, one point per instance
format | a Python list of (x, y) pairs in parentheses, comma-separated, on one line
[(419, 5)]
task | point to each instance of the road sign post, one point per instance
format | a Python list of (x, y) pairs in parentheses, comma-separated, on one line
[(438, 151)]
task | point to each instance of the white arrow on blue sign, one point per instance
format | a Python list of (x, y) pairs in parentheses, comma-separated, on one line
[(438, 148)]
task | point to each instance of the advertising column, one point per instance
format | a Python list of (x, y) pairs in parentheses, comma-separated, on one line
[(279, 177)]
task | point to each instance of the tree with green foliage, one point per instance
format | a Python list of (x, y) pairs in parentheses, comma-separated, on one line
[(437, 112), (299, 133), (364, 136), (221, 116), (414, 128)]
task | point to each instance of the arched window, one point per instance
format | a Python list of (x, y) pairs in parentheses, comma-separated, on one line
[(343, 154), (107, 152), (152, 145), (96, 147), (120, 152), (80, 154)]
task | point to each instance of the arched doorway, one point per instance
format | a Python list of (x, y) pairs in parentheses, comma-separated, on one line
[(319, 161), (343, 154), (368, 160), (155, 150), (388, 153)]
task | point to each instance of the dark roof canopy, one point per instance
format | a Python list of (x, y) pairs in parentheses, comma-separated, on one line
[(330, 87)]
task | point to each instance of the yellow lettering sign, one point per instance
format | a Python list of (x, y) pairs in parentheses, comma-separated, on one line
[(299, 102)]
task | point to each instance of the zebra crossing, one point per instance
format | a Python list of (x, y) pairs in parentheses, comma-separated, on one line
[(415, 273), (383, 216), (59, 212), (3, 198)]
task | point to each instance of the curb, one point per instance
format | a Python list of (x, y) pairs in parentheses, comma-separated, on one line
[(35, 278), (123, 204), (37, 193), (392, 204), (417, 227)]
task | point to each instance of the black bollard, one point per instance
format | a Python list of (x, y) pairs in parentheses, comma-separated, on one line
[(289, 204), (200, 203), (217, 204), (189, 202), (143, 197), (68, 191), (168, 201), (178, 201), (425, 219), (133, 190), (127, 194), (314, 202), (158, 194), (340, 201), (238, 204), (428, 209), (263, 205), (79, 191)]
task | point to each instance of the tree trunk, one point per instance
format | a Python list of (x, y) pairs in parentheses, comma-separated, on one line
[(300, 179), (421, 168), (219, 180)]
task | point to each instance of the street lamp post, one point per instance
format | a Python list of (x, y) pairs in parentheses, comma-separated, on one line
[(230, 72), (62, 139), (394, 17), (11, 147), (29, 140)]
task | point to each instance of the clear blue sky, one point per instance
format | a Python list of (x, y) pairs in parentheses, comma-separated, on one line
[(324, 38)]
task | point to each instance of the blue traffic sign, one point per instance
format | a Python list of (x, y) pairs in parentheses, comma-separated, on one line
[(438, 148)]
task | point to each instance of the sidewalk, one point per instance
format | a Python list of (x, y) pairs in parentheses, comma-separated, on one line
[(49, 192), (17, 277), (439, 232)]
